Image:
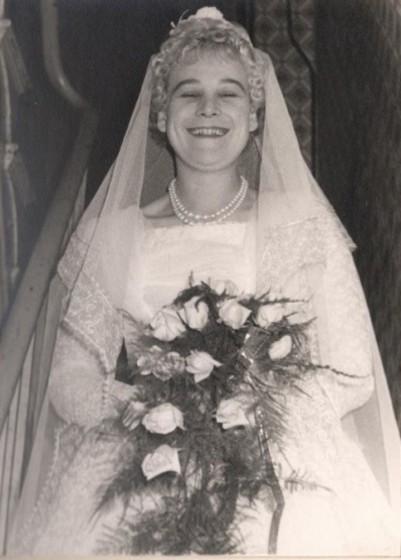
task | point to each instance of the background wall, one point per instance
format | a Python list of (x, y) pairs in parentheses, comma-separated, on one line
[(358, 56)]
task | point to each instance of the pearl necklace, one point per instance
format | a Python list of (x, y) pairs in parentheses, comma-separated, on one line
[(219, 216)]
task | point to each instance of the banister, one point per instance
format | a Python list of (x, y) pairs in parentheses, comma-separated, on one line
[(23, 315), (52, 58)]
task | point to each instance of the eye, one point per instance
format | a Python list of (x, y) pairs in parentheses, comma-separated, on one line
[(189, 94), (228, 94)]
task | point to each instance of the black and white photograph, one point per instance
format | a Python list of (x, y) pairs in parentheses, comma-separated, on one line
[(200, 278)]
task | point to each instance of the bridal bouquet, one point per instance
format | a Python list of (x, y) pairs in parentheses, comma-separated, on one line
[(210, 371)]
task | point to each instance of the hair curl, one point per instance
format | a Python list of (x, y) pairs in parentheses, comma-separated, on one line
[(192, 37)]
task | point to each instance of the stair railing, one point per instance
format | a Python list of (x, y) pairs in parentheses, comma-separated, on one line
[(28, 337)]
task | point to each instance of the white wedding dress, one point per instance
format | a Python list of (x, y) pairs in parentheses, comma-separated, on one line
[(341, 512)]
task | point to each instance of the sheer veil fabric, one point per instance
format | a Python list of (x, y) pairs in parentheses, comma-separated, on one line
[(92, 271)]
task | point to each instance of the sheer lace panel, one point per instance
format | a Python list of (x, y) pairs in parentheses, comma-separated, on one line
[(91, 316), (310, 261)]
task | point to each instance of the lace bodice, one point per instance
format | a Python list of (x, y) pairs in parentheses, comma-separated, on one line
[(207, 252)]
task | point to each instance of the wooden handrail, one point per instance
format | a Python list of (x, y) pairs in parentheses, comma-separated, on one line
[(52, 58), (23, 315)]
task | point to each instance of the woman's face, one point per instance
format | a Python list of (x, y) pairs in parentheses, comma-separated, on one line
[(209, 116)]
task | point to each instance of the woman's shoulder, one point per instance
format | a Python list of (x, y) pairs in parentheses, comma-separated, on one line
[(160, 212), (157, 208)]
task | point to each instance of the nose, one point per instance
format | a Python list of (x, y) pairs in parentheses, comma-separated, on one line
[(208, 107)]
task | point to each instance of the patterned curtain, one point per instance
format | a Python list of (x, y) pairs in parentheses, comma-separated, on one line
[(271, 34)]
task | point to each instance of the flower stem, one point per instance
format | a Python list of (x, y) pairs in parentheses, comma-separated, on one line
[(274, 483)]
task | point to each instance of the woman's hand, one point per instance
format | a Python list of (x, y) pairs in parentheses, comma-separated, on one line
[(122, 397), (133, 413)]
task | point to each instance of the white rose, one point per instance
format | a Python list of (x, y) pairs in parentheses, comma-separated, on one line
[(166, 324), (233, 313), (224, 286), (201, 364), (268, 314), (163, 419), (209, 12), (161, 460), (231, 413), (281, 348), (195, 313)]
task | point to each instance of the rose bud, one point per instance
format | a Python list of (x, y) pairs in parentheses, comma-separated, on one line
[(201, 364), (281, 348), (231, 413), (268, 314), (224, 287), (194, 313), (166, 324), (233, 313), (163, 419), (163, 459)]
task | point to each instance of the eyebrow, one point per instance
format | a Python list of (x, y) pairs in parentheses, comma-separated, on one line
[(184, 83), (234, 82), (193, 81)]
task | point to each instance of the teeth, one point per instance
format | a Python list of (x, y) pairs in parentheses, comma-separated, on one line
[(203, 131)]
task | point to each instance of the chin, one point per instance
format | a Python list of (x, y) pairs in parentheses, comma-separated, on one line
[(212, 163)]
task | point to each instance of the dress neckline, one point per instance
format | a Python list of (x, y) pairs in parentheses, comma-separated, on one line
[(251, 214)]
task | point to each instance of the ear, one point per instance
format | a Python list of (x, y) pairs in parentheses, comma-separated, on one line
[(253, 121), (161, 121)]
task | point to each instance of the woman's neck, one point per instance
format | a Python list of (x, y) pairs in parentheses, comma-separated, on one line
[(204, 193)]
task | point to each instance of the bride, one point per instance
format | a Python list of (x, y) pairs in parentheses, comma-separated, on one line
[(209, 182)]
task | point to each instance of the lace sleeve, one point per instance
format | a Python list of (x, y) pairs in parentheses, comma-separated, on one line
[(342, 323), (79, 390)]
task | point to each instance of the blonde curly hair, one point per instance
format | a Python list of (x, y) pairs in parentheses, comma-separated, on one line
[(192, 37)]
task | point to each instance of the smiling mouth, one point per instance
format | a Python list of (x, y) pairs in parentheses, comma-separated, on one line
[(208, 131)]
